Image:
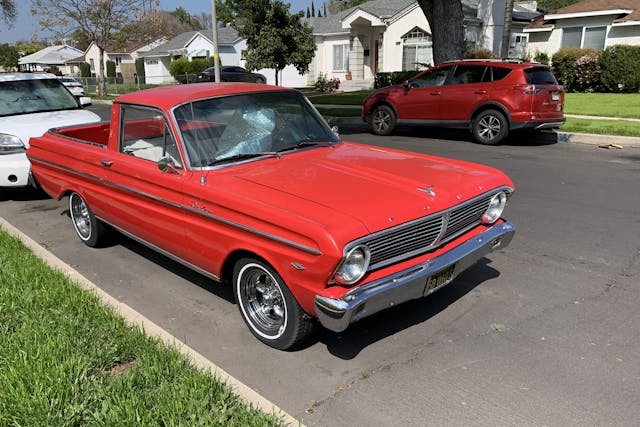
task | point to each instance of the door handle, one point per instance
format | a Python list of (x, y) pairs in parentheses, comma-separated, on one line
[(436, 93), (106, 163), (480, 92)]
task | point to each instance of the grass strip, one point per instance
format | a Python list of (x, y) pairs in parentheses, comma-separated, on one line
[(65, 359), (344, 98), (340, 112), (602, 127)]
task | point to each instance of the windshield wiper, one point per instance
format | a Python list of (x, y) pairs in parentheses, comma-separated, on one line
[(243, 157), (304, 144)]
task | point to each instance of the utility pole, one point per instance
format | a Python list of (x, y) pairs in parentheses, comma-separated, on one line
[(506, 29), (214, 30)]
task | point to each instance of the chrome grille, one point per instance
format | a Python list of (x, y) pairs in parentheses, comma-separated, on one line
[(424, 234)]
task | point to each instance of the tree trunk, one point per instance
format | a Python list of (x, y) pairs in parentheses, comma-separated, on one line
[(506, 30), (277, 71), (101, 80), (447, 28)]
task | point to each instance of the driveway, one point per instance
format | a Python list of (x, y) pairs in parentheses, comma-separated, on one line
[(545, 332)]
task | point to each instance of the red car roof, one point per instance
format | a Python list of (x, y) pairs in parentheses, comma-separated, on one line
[(170, 96)]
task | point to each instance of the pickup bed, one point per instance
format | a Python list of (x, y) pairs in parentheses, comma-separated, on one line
[(248, 185)]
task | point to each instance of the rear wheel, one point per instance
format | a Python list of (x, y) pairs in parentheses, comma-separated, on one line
[(88, 228), (490, 127), (383, 120), (267, 306), (259, 80)]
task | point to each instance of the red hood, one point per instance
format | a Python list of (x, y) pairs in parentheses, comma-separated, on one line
[(378, 188)]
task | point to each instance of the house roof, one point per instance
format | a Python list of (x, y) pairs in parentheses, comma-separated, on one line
[(386, 9), (625, 10), (51, 55), (227, 36)]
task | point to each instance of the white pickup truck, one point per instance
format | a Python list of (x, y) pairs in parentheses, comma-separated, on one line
[(31, 104)]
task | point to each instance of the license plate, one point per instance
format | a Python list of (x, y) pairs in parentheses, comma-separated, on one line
[(440, 278), (555, 96)]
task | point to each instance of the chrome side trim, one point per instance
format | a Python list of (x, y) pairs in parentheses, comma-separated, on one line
[(163, 252), (242, 227), (362, 301)]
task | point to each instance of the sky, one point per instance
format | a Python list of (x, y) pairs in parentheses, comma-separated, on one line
[(26, 26)]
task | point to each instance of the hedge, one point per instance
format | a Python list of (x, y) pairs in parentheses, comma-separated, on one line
[(392, 78)]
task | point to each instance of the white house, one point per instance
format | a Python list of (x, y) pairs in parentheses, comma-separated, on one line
[(123, 57), (191, 45), (44, 59), (590, 23), (394, 35)]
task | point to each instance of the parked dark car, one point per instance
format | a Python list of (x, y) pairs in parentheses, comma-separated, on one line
[(488, 97), (231, 73)]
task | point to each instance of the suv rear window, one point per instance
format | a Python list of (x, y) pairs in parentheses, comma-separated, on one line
[(539, 76), (500, 73)]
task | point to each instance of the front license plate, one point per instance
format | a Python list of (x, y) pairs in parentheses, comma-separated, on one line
[(440, 278)]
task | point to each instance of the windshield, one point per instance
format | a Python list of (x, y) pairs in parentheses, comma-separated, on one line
[(34, 96), (239, 127)]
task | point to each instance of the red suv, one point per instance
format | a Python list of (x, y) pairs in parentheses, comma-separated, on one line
[(489, 97)]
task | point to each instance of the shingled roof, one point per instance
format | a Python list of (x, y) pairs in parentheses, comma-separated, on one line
[(588, 6), (227, 36)]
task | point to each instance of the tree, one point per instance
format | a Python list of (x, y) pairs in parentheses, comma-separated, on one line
[(98, 19), (506, 32), (447, 31), (8, 11), (190, 22), (340, 5), (9, 56), (275, 37), (555, 4)]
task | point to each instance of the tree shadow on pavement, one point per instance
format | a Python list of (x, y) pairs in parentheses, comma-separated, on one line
[(348, 344)]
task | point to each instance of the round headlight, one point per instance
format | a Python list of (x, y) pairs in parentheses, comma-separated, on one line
[(353, 266), (496, 206)]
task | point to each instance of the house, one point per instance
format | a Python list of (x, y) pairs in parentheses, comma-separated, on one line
[(191, 45), (394, 35), (44, 59), (123, 56), (590, 23)]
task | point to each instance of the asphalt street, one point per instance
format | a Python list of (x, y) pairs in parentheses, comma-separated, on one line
[(546, 332)]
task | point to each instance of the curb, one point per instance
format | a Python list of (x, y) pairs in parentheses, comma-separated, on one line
[(151, 329)]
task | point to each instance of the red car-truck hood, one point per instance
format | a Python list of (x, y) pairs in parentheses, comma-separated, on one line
[(378, 187)]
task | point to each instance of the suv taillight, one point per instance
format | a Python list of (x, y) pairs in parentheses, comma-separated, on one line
[(527, 89)]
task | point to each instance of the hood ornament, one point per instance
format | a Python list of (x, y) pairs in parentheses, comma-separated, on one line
[(428, 190)]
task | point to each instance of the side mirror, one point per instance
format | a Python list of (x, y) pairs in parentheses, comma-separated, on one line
[(167, 164), (85, 101), (335, 130)]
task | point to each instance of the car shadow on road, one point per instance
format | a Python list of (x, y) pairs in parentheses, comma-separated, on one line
[(22, 194), (516, 138), (348, 344)]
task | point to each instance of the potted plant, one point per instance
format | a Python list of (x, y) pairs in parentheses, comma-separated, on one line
[(348, 75)]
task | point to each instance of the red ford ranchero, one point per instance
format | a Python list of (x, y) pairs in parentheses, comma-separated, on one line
[(247, 184)]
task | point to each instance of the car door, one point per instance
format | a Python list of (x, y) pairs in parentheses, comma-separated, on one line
[(421, 98), (465, 89), (146, 201)]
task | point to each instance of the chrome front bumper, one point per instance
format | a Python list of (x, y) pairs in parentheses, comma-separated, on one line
[(363, 301)]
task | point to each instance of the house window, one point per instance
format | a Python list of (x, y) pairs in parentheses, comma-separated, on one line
[(341, 57), (91, 65), (117, 60), (416, 49), (593, 37), (152, 61)]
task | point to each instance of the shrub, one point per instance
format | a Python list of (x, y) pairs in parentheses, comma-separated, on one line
[(111, 69), (178, 69), (393, 78), (197, 65), (483, 54), (85, 70), (565, 65), (619, 69), (541, 57), (55, 70), (325, 84), (140, 67), (587, 73)]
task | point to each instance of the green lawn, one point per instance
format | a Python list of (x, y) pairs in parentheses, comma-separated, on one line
[(344, 98), (66, 360), (603, 104), (602, 127)]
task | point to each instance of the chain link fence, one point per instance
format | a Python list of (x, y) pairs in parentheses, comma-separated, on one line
[(119, 86)]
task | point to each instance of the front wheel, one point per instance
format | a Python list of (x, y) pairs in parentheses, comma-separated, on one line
[(268, 307), (490, 127), (88, 228), (383, 120)]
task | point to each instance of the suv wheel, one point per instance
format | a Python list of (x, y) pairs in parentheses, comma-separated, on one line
[(490, 127), (382, 120)]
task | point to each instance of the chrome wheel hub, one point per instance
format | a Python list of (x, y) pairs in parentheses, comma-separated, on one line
[(262, 301), (80, 216), (489, 127)]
